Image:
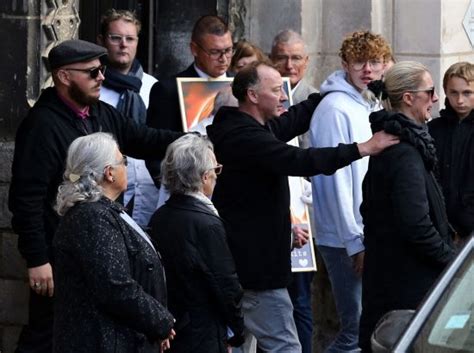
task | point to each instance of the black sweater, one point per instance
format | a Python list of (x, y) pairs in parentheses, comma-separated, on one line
[(252, 193)]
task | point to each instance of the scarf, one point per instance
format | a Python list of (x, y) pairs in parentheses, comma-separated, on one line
[(409, 131), (128, 86), (205, 200)]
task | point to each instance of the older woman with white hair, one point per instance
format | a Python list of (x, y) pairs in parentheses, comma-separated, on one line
[(407, 235), (203, 289), (110, 288)]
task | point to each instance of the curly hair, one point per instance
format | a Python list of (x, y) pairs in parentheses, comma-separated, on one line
[(364, 45)]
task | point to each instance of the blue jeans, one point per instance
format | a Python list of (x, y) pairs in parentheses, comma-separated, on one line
[(300, 294), (347, 291), (268, 317)]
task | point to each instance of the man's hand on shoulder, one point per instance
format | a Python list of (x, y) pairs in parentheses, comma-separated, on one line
[(377, 143)]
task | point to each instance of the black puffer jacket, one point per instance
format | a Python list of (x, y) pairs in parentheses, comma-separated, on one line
[(203, 289), (407, 235), (454, 141), (110, 292)]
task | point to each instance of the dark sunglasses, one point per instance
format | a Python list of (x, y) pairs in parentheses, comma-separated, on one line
[(431, 91), (93, 73)]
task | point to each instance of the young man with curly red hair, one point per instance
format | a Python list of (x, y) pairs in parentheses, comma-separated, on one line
[(343, 117)]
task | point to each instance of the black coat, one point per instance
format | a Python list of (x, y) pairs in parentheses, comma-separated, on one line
[(41, 146), (252, 193), (454, 141), (407, 235), (110, 292), (203, 289)]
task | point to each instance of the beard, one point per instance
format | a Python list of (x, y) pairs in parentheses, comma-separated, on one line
[(80, 96)]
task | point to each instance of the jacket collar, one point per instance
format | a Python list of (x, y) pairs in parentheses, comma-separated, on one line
[(189, 203)]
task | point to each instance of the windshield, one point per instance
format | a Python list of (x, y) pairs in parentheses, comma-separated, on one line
[(450, 327)]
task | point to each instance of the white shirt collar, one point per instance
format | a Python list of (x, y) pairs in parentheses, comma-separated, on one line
[(202, 74)]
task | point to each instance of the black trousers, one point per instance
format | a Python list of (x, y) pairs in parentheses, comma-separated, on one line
[(37, 336)]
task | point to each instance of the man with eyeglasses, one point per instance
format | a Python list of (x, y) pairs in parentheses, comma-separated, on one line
[(343, 117), (62, 113), (291, 60), (211, 47), (453, 133), (127, 88)]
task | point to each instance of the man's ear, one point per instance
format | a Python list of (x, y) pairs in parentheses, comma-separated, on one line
[(345, 66), (193, 47), (252, 95), (63, 77)]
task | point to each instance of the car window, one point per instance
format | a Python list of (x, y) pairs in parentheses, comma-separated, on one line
[(450, 326)]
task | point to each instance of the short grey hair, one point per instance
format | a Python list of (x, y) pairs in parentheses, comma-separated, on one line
[(288, 36), (87, 158), (185, 162)]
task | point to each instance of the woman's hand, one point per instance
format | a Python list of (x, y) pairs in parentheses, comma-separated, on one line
[(166, 344)]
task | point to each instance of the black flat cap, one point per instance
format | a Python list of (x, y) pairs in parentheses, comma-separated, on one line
[(74, 51)]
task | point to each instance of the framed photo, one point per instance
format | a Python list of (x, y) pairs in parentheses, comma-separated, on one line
[(197, 101)]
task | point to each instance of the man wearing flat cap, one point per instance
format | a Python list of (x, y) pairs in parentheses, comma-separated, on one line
[(62, 113)]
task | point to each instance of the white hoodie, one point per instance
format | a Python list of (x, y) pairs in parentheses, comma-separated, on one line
[(341, 117)]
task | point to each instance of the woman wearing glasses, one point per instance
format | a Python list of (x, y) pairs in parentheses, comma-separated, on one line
[(203, 289), (407, 235), (110, 292)]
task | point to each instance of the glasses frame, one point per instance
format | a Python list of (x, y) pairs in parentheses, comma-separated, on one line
[(228, 52), (93, 72), (283, 59), (371, 63), (217, 169), (430, 90), (129, 39)]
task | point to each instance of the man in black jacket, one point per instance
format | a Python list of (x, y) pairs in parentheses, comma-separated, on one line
[(454, 140), (62, 113), (252, 194)]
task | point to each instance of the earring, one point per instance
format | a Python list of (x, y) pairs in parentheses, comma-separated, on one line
[(113, 180)]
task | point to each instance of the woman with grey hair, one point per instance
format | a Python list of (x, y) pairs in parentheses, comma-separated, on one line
[(203, 289), (110, 290), (407, 235)]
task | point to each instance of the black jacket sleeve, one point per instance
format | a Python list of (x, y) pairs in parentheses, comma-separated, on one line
[(36, 172), (296, 120)]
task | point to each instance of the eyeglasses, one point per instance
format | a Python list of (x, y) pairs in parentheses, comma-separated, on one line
[(124, 161), (217, 169), (282, 59), (376, 65), (217, 53), (431, 91), (116, 39), (93, 73)]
